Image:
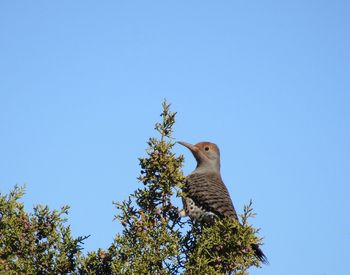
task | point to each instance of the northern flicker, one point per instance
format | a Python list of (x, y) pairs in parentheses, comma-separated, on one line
[(206, 196)]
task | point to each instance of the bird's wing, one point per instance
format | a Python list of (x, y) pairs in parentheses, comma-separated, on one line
[(209, 191)]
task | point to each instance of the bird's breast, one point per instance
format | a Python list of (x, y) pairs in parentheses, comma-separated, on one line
[(197, 213)]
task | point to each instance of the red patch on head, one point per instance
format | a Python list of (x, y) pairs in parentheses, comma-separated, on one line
[(209, 145)]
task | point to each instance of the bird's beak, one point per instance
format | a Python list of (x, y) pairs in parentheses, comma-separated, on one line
[(198, 155), (193, 148)]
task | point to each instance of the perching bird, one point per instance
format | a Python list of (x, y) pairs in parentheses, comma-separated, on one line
[(206, 196)]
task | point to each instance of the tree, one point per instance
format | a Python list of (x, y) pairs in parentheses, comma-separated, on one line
[(35, 243), (154, 238)]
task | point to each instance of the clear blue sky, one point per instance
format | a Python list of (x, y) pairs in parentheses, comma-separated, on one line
[(81, 86)]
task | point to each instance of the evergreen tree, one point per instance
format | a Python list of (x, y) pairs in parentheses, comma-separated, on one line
[(154, 238), (35, 243)]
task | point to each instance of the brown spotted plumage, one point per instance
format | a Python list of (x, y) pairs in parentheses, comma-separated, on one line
[(209, 193), (206, 196)]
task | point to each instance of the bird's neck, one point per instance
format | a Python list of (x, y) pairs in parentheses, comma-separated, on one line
[(207, 167)]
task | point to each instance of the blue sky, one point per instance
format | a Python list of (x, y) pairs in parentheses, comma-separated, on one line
[(81, 86)]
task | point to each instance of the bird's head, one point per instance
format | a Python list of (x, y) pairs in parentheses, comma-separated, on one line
[(207, 154)]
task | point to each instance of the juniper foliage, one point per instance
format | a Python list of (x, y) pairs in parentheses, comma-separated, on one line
[(151, 238), (38, 242), (154, 239)]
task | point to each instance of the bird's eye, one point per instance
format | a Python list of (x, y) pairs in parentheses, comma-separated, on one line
[(206, 148)]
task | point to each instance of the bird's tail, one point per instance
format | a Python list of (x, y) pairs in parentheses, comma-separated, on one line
[(259, 254)]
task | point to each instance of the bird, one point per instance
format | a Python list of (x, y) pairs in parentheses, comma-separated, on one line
[(206, 196)]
